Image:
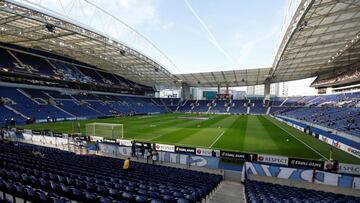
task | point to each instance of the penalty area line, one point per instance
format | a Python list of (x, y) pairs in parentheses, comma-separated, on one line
[(156, 136), (217, 139)]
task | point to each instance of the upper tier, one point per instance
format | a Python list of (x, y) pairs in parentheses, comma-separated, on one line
[(21, 63)]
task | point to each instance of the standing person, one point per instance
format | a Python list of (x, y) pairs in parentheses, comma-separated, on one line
[(142, 150), (126, 164), (148, 154), (133, 148), (154, 154), (313, 175), (213, 153)]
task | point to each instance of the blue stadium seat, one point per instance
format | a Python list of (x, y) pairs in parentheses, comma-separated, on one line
[(268, 192)]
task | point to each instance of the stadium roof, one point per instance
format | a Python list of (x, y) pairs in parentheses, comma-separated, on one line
[(30, 27), (322, 37), (232, 78)]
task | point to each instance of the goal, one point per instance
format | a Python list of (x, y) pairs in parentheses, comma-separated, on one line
[(108, 130)]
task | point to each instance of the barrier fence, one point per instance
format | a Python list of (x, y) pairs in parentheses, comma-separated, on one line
[(254, 164), (301, 174)]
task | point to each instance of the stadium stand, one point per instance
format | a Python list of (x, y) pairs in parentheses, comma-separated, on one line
[(258, 107), (6, 115), (238, 107), (219, 106), (339, 111), (268, 192), (44, 104), (30, 108), (56, 68), (46, 65), (186, 106), (342, 119), (69, 72), (336, 111), (37, 64), (60, 176)]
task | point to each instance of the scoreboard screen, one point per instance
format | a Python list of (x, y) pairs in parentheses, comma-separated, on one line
[(224, 96)]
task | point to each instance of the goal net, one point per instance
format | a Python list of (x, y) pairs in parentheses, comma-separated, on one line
[(107, 130)]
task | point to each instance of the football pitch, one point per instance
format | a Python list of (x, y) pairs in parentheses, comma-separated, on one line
[(243, 133)]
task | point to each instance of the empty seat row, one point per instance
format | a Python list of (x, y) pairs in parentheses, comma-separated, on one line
[(99, 179)]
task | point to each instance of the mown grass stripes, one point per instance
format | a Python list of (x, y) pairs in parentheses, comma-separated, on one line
[(245, 133)]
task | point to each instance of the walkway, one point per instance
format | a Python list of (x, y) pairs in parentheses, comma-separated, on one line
[(229, 192)]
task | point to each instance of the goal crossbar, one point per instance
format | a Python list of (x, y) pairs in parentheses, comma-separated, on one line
[(105, 130)]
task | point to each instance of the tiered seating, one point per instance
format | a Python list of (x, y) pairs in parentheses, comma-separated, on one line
[(76, 109), (343, 119), (65, 176), (28, 107), (69, 72), (161, 104), (351, 99), (186, 106), (218, 106), (6, 115), (58, 95), (257, 192), (7, 62), (339, 112), (84, 96), (110, 78), (124, 82), (37, 63), (277, 109), (101, 106), (142, 105), (201, 106), (172, 103), (277, 101), (46, 65), (258, 107), (121, 107), (292, 101), (35, 93), (92, 74), (237, 106)]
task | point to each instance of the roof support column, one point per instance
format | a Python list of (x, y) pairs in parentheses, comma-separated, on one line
[(185, 91), (267, 88), (267, 93), (218, 89), (227, 89)]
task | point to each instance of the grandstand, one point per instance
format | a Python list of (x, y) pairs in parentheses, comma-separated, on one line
[(58, 76)]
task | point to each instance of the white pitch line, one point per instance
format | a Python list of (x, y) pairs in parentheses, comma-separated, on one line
[(298, 139), (217, 139), (157, 136)]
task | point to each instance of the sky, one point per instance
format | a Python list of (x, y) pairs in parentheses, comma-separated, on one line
[(187, 35), (203, 35)]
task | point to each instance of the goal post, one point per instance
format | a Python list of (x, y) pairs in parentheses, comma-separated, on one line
[(107, 130)]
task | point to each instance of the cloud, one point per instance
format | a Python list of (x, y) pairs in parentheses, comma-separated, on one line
[(249, 46), (124, 3), (168, 26), (238, 36), (210, 35)]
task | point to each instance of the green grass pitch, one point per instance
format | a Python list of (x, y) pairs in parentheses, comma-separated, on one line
[(245, 133)]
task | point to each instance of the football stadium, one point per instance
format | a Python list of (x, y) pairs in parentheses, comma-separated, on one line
[(119, 101)]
